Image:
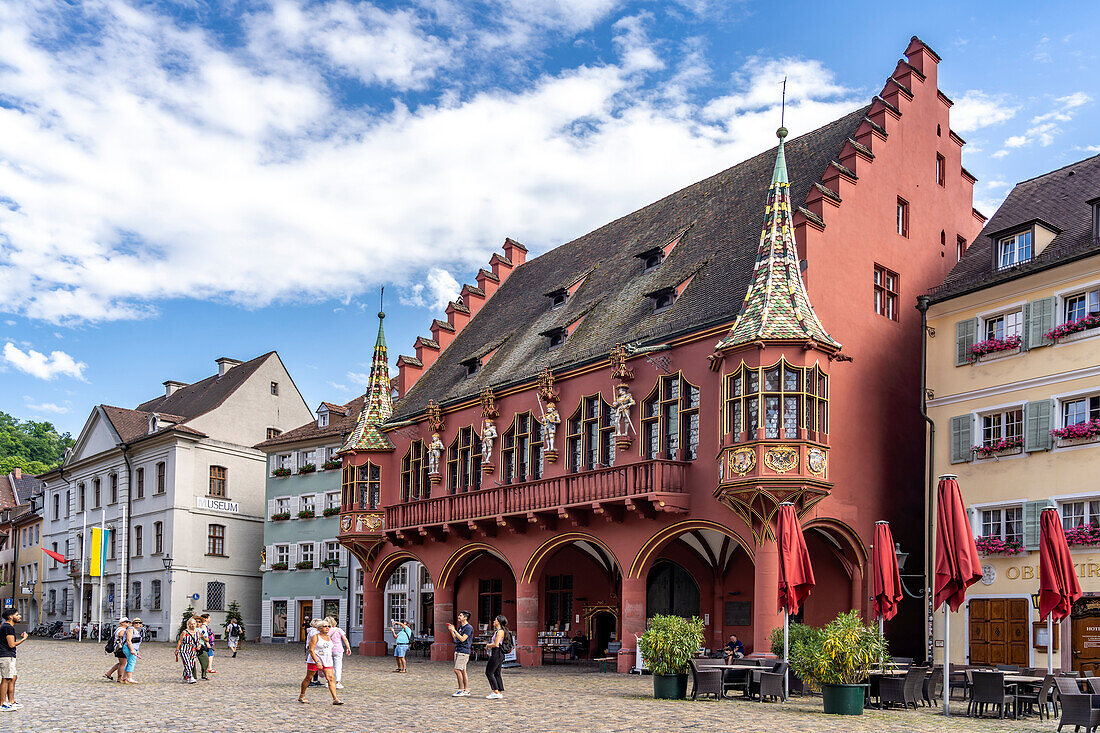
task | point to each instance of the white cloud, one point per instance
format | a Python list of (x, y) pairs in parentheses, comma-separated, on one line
[(1016, 141), (47, 407), (976, 109), (1044, 128), (633, 43), (360, 378), (153, 164), (39, 365)]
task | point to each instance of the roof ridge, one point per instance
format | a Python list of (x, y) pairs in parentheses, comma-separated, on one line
[(1050, 173)]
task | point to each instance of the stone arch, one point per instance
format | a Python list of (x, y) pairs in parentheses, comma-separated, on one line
[(452, 566), (838, 529), (642, 561), (843, 546), (390, 562), (546, 549)]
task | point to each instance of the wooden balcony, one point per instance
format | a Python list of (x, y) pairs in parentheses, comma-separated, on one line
[(646, 488)]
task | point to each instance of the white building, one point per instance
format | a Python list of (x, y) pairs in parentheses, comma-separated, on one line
[(175, 478)]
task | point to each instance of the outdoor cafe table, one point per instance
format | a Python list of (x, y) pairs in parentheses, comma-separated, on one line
[(748, 669)]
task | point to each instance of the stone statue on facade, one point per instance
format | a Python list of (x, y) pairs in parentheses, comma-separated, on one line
[(622, 405), (435, 452), (488, 435), (550, 419)]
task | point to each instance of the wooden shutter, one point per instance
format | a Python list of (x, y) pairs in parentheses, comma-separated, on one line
[(1040, 319), (1032, 512), (292, 620), (270, 555), (293, 555), (965, 332), (343, 556), (1037, 424), (270, 508), (295, 506), (1025, 332), (318, 554), (265, 619), (961, 443), (344, 613)]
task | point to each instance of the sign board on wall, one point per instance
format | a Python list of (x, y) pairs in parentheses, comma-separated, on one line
[(738, 613), (218, 505)]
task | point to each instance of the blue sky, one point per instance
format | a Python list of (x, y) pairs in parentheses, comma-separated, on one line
[(186, 180)]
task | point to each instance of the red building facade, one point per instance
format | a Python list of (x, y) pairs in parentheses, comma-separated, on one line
[(739, 395)]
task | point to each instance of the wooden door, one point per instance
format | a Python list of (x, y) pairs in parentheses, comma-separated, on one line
[(305, 616), (998, 631)]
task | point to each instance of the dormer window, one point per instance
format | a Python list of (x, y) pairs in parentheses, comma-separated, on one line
[(556, 337), (663, 300), (651, 258), (1014, 250), (1096, 220), (322, 419), (558, 298), (471, 366)]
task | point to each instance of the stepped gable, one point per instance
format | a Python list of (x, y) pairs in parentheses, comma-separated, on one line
[(342, 421), (202, 397), (717, 221), (1060, 199)]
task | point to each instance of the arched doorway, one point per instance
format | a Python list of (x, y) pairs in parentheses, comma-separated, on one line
[(671, 591)]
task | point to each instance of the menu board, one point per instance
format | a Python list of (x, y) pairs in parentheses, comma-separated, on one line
[(738, 613)]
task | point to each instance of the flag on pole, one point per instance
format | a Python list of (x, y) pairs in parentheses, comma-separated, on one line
[(100, 537), (328, 580), (55, 555)]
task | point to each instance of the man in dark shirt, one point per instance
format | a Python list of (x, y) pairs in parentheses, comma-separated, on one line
[(8, 642), (464, 639), (734, 649)]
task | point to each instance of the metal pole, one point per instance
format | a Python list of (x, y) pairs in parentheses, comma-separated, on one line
[(99, 624), (786, 649), (881, 657), (946, 657), (80, 606), (1050, 643)]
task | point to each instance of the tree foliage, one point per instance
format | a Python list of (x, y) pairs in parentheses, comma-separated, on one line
[(841, 653), (669, 642), (233, 614), (187, 613), (33, 447)]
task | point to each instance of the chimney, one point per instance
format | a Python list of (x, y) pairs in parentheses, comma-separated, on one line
[(171, 386), (18, 473), (225, 364)]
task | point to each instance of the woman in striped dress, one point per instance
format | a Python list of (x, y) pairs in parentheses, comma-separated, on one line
[(185, 649)]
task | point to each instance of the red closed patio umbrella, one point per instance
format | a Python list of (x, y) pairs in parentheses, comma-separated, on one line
[(957, 563), (1058, 584), (884, 573), (796, 574)]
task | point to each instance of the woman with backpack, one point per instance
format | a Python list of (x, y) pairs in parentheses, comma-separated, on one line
[(498, 646), (185, 649), (131, 645), (116, 645)]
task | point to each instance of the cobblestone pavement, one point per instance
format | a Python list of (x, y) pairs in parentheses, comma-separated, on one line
[(62, 688)]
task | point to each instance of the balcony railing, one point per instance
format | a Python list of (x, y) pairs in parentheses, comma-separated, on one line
[(604, 485)]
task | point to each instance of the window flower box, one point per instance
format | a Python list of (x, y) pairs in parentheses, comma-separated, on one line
[(280, 566), (330, 564), (307, 468), (1090, 321), (1082, 432), (331, 511), (307, 514), (280, 516), (1086, 535), (994, 346), (304, 565), (1008, 446), (281, 472), (330, 465), (997, 546)]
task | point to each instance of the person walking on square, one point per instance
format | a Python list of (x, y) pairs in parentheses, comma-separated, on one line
[(341, 645), (186, 649), (498, 646), (319, 659), (209, 631), (131, 644), (402, 637), (8, 675), (119, 652), (233, 633), (464, 639), (202, 648), (311, 631)]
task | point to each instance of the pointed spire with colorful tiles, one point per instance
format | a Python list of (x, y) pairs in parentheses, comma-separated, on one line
[(378, 406), (776, 305)]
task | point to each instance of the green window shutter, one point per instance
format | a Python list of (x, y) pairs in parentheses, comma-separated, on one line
[(1040, 319), (961, 445), (1025, 341), (965, 331), (1033, 510), (1037, 425)]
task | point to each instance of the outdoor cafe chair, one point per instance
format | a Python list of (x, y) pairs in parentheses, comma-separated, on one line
[(960, 680), (905, 690), (1079, 709), (1042, 696), (706, 679), (1094, 685), (1009, 668), (770, 684), (903, 662), (1087, 673), (932, 689), (990, 689)]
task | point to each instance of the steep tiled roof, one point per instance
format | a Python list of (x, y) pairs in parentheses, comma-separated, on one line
[(7, 496), (341, 422), (25, 485), (722, 218), (132, 425), (1059, 198), (367, 434), (202, 397)]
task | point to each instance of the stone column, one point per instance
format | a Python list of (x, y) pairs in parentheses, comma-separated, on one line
[(374, 640), (765, 603), (718, 614), (444, 611), (527, 624), (859, 600), (632, 613)]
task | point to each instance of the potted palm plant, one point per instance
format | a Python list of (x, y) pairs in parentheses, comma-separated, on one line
[(667, 645), (837, 660)]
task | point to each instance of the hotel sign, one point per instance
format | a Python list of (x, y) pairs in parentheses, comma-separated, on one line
[(218, 505)]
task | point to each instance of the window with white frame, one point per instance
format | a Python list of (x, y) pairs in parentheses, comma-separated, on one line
[(1084, 513), (359, 579), (282, 505), (1003, 426), (332, 500), (332, 552), (359, 609), (282, 554), (285, 460), (307, 456), (399, 604), (308, 503), (330, 452), (305, 552), (322, 419), (1004, 325), (1006, 524), (1077, 306), (1014, 250), (1080, 410), (154, 596)]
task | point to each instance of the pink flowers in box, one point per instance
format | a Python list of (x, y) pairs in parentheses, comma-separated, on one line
[(997, 546), (1083, 535), (1092, 320), (1087, 429), (998, 446), (990, 346)]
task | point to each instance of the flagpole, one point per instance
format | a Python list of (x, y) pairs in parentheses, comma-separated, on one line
[(80, 604), (99, 624)]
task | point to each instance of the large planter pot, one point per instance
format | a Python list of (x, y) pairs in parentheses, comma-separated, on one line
[(670, 686), (843, 699)]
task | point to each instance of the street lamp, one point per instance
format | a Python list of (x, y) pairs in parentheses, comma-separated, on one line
[(902, 557), (168, 566), (333, 578)]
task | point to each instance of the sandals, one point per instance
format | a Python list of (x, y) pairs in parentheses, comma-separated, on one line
[(302, 700), (337, 702)]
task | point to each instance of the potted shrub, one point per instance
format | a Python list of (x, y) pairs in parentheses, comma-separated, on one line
[(330, 465), (837, 659), (667, 645), (304, 565), (332, 510), (307, 468), (307, 514), (279, 566), (800, 634), (280, 472), (280, 516)]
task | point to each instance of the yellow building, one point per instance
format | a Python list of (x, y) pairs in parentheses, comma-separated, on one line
[(1013, 377)]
